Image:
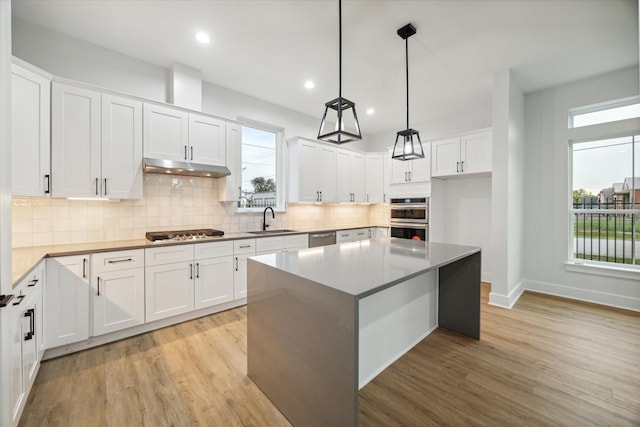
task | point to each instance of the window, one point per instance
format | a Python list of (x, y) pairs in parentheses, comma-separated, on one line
[(604, 113), (605, 205), (261, 168)]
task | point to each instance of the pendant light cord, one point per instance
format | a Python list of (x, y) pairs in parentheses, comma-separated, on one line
[(340, 50), (406, 51)]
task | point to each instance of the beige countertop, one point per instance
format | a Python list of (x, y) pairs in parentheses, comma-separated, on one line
[(24, 259)]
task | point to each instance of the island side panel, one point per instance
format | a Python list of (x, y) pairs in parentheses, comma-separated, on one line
[(393, 321), (302, 346), (459, 296)]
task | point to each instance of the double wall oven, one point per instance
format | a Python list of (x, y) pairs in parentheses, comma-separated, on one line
[(410, 218)]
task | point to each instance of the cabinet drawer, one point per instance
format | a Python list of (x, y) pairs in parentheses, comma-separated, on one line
[(269, 244), (361, 233), (298, 241), (118, 260), (246, 246), (213, 249), (344, 236), (168, 255)]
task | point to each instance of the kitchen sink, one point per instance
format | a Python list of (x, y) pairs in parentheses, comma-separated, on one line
[(272, 231)]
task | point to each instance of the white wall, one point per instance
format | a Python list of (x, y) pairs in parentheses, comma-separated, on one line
[(546, 189), (76, 59), (461, 214), (470, 117), (507, 189), (5, 204)]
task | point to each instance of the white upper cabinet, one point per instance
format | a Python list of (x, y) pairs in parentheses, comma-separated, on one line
[(174, 134), (166, 133), (418, 170), (96, 144), (462, 155), (312, 171), (30, 130), (351, 176), (121, 147), (229, 187), (375, 177), (206, 140), (75, 160)]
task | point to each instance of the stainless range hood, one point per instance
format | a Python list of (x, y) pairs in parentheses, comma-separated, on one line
[(173, 167)]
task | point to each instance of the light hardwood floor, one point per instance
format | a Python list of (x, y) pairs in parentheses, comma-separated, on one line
[(549, 361)]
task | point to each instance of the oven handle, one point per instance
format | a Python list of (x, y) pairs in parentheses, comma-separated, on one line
[(417, 226), (412, 206)]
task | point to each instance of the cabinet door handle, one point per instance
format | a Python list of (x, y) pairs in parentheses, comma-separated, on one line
[(239, 193), (236, 263), (317, 196), (245, 246), (190, 271), (185, 152), (96, 186), (33, 283), (98, 285), (197, 270), (116, 261), (384, 197), (462, 166), (191, 152), (410, 175), (84, 268), (369, 233), (105, 186), (47, 188), (457, 167), (30, 313), (18, 299), (321, 196), (405, 177)]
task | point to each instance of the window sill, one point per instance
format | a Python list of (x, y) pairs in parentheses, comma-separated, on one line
[(603, 270)]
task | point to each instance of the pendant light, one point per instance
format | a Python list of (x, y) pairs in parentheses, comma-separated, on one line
[(340, 122), (408, 145)]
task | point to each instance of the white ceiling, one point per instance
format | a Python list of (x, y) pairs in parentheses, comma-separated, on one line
[(268, 49)]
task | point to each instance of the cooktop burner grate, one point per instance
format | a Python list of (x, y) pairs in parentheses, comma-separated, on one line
[(179, 235)]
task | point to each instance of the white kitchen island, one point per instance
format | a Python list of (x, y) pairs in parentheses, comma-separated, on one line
[(322, 322)]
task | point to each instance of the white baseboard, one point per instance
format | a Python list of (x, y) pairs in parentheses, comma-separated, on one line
[(507, 301), (597, 297)]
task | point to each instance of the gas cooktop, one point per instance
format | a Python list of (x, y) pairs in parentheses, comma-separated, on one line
[(183, 235)]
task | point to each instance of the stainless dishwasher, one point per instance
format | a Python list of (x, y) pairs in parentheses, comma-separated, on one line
[(322, 239)]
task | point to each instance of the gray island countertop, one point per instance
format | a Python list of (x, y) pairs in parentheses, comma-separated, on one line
[(365, 267)]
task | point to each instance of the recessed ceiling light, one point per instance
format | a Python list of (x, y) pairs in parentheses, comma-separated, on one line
[(203, 38), (309, 84), (370, 111)]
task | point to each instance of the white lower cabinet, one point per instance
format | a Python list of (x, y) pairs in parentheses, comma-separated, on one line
[(353, 235), (117, 285), (169, 273), (66, 300), (242, 249), (24, 355), (213, 273)]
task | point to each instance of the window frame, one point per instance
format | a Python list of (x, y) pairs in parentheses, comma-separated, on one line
[(583, 265), (280, 158)]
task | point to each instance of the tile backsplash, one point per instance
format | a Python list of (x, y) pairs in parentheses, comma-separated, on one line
[(170, 203)]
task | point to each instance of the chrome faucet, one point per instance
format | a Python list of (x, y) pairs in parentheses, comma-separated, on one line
[(264, 217)]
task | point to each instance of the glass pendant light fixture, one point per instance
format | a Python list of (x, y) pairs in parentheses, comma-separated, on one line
[(408, 145), (340, 122)]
